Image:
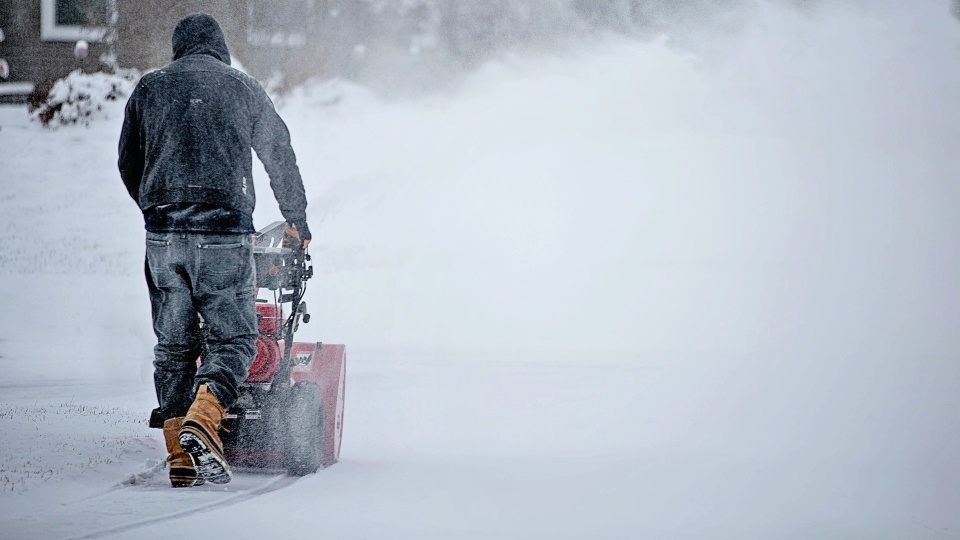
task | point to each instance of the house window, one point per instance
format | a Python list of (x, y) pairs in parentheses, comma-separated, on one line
[(70, 20)]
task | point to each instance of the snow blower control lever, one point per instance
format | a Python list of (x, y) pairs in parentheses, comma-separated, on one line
[(283, 269)]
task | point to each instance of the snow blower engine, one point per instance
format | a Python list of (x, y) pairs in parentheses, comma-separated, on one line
[(289, 415)]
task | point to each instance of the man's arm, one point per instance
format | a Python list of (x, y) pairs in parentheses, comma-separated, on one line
[(130, 161), (271, 142)]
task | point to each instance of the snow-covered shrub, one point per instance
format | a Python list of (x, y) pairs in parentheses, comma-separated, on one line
[(79, 98)]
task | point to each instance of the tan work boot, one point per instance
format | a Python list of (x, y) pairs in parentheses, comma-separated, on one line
[(199, 438), (182, 472)]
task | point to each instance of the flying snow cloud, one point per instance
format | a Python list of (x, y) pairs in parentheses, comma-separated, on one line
[(783, 187)]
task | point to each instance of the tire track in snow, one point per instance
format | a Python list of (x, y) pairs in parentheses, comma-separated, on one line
[(272, 484), (124, 508)]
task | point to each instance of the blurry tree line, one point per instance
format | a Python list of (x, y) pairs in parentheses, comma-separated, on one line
[(406, 44)]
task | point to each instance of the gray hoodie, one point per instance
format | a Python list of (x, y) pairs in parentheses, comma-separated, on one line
[(184, 152)]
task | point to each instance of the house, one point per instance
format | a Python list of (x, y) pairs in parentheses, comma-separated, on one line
[(38, 42), (38, 38)]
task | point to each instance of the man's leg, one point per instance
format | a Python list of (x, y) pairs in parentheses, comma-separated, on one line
[(224, 295), (175, 324)]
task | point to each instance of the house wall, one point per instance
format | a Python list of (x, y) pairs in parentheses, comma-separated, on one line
[(30, 58), (143, 37), (144, 30)]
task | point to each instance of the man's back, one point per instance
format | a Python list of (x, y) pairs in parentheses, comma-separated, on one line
[(189, 129), (197, 118)]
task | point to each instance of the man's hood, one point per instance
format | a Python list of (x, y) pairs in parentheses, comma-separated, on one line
[(200, 33)]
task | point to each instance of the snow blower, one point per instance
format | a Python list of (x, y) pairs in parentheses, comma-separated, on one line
[(289, 414)]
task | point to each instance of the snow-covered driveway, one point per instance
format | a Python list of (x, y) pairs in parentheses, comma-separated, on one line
[(621, 295)]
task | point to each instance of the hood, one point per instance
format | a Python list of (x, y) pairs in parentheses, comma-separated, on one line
[(200, 33)]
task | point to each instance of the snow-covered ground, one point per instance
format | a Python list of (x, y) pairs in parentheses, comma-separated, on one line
[(629, 293)]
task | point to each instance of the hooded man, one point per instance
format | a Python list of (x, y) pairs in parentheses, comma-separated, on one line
[(185, 159)]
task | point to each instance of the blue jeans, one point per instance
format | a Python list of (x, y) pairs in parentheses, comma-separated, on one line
[(212, 276)]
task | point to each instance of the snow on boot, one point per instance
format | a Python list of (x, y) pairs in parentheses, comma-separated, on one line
[(182, 471), (200, 440)]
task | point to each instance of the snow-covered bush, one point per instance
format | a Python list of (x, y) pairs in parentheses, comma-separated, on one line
[(79, 98)]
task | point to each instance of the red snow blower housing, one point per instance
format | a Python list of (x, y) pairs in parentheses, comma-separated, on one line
[(289, 414)]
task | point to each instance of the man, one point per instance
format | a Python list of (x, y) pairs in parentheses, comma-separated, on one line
[(185, 159)]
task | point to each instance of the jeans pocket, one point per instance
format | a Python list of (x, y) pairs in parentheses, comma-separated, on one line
[(231, 245), (160, 259), (222, 265)]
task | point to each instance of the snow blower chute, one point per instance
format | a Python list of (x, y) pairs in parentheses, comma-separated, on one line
[(289, 415)]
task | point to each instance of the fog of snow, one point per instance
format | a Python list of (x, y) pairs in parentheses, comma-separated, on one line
[(632, 291)]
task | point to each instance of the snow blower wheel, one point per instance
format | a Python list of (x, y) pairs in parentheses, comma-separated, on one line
[(304, 429)]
